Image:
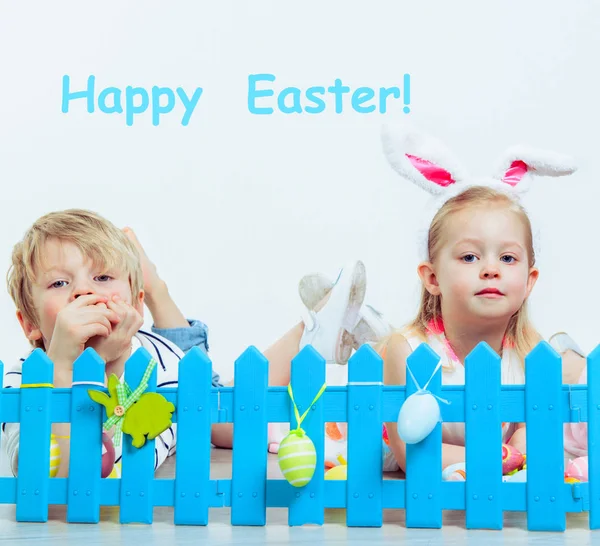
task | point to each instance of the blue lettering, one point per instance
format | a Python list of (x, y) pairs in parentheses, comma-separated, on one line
[(87, 94), (295, 108), (253, 93), (320, 103), (116, 107), (361, 95), (130, 108), (338, 89), (157, 108), (189, 104), (384, 93)]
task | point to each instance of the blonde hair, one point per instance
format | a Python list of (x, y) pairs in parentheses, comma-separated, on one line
[(94, 236), (520, 333)]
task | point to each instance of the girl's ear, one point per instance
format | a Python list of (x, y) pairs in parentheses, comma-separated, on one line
[(534, 274), (428, 278), (421, 158)]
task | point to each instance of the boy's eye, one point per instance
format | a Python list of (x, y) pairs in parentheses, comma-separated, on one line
[(469, 258), (103, 278), (58, 284), (508, 259)]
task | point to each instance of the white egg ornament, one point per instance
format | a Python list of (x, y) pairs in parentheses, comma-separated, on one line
[(418, 416)]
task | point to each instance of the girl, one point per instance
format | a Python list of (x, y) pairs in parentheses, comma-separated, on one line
[(477, 272)]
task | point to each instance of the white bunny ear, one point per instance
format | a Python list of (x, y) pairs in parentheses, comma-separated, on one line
[(421, 158), (518, 164)]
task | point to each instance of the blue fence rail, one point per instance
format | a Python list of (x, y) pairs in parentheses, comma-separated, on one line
[(365, 403)]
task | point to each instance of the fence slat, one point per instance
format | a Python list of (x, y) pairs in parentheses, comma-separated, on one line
[(593, 381), (483, 439), (307, 504), (137, 463), (249, 477), (365, 450), (424, 460), (83, 489), (34, 439), (3, 399), (192, 465), (545, 455)]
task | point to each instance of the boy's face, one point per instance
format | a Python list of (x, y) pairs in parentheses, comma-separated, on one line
[(64, 276)]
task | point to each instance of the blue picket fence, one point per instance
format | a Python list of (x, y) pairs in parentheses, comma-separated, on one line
[(365, 403)]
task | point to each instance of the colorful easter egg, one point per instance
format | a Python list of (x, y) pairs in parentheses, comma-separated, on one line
[(297, 458), (455, 473), (577, 469), (54, 456), (339, 472), (512, 459)]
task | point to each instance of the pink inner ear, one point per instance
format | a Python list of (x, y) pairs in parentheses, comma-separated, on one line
[(431, 171), (515, 173)]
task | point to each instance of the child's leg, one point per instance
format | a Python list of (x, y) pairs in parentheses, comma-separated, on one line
[(372, 325), (335, 314), (573, 358)]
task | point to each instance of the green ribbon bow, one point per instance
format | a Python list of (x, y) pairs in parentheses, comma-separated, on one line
[(126, 398)]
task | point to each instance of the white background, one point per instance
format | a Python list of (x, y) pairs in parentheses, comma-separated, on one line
[(235, 208)]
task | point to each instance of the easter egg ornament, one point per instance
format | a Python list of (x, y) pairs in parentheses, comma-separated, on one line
[(420, 412), (297, 456), (339, 472), (55, 456)]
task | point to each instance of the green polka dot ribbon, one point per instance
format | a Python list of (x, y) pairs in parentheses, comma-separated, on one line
[(126, 398)]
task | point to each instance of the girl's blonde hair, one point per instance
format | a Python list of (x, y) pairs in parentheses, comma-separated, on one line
[(97, 238), (520, 333)]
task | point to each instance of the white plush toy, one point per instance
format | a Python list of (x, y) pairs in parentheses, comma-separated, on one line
[(425, 161)]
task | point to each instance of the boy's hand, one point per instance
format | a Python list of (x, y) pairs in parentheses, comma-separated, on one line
[(152, 282), (82, 319), (111, 347)]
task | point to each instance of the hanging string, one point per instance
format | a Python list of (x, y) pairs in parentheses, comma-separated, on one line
[(424, 389), (299, 418)]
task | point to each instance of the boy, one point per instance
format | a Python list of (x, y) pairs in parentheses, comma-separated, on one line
[(76, 281)]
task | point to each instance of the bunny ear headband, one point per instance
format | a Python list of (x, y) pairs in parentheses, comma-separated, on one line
[(427, 162)]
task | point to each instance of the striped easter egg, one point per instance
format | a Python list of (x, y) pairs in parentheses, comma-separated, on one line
[(297, 459), (54, 456)]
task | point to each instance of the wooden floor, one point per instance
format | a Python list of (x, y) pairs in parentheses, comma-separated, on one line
[(219, 531)]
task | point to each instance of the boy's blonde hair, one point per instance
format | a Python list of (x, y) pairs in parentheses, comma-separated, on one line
[(520, 333), (96, 238)]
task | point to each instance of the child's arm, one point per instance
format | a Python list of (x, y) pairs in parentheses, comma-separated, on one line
[(394, 373), (169, 321), (81, 320)]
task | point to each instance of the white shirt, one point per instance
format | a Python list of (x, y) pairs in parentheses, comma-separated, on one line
[(166, 354)]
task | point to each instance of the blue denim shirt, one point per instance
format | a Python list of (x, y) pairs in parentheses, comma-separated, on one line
[(186, 338)]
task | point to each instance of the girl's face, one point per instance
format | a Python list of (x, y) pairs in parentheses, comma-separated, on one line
[(482, 270)]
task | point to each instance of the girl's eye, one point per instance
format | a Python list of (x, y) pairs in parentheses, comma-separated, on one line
[(508, 259), (103, 278), (58, 284), (469, 258)]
